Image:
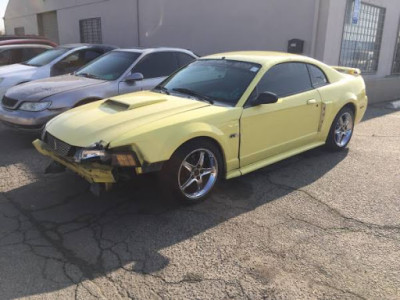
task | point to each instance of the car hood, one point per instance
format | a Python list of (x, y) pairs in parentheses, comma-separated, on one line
[(108, 119), (15, 69), (39, 89)]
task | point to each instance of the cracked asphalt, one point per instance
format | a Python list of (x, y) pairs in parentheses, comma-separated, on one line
[(320, 225)]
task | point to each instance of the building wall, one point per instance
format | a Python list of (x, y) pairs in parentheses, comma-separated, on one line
[(223, 25), (204, 26), (381, 86), (118, 17), (208, 26), (118, 22)]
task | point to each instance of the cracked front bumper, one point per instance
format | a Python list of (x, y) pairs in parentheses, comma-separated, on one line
[(92, 172)]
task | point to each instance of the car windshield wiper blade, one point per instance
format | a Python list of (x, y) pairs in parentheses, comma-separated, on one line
[(162, 89), (194, 94), (31, 65), (88, 75)]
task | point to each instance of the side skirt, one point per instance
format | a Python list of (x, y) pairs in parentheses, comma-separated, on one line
[(271, 160)]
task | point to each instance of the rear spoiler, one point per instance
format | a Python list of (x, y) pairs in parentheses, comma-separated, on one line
[(350, 71)]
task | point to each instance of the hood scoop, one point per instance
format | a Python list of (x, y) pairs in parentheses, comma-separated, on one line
[(117, 105)]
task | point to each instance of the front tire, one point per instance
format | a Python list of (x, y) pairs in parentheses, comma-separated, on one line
[(193, 171), (341, 130)]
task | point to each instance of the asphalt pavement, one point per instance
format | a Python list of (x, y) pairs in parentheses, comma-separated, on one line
[(320, 225)]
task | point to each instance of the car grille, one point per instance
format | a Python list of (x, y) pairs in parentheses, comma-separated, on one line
[(58, 146), (9, 102)]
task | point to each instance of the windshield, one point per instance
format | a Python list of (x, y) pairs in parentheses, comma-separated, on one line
[(109, 66), (46, 57), (212, 80)]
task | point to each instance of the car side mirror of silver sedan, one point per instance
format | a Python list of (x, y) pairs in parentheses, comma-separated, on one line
[(134, 77)]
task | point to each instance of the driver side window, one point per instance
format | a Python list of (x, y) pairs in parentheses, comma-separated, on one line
[(284, 80), (159, 64), (74, 61)]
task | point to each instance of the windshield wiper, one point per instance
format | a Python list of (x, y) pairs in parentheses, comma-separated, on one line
[(162, 89), (31, 65), (87, 75), (194, 94)]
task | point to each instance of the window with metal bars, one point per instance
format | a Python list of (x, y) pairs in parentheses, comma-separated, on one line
[(396, 60), (361, 42), (90, 30)]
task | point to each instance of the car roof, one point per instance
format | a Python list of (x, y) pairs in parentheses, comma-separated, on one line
[(27, 41), (21, 46), (261, 57), (155, 49), (88, 46), (19, 37)]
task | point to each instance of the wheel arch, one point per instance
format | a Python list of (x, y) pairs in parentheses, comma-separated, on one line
[(210, 139), (352, 106)]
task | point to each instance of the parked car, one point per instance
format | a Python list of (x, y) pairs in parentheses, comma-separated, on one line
[(17, 53), (222, 116), (37, 41), (31, 105), (61, 60), (21, 37)]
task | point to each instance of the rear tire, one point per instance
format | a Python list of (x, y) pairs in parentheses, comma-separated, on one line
[(341, 130), (193, 171)]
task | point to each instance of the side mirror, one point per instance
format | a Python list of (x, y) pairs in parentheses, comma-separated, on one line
[(265, 98), (134, 77)]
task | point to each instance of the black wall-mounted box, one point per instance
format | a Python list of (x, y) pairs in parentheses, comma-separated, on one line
[(296, 46)]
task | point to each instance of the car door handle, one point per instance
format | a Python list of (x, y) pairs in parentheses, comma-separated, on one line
[(311, 101)]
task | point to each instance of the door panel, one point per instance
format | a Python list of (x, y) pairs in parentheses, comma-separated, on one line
[(269, 129)]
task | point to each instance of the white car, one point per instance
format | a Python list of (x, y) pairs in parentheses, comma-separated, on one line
[(58, 61)]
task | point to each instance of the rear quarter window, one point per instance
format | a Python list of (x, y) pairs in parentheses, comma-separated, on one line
[(318, 77)]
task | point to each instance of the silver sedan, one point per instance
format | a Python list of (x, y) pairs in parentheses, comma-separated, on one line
[(29, 106), (61, 60)]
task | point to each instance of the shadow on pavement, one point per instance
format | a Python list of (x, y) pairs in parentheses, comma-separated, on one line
[(69, 235)]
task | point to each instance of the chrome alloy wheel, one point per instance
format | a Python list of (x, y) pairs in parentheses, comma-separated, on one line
[(343, 129), (198, 173)]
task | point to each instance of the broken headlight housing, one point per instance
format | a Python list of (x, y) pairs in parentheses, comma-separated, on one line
[(116, 157)]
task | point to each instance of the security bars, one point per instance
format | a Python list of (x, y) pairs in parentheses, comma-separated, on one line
[(396, 60), (361, 40), (90, 30)]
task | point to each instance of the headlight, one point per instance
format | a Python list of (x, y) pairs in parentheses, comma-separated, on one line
[(120, 159), (34, 106)]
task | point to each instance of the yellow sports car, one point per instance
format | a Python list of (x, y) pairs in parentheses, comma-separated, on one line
[(221, 116)]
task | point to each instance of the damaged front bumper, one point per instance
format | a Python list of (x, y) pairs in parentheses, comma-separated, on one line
[(92, 172)]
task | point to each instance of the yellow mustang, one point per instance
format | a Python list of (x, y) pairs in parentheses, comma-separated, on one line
[(221, 116)]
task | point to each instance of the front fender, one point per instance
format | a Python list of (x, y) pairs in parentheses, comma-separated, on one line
[(159, 145)]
